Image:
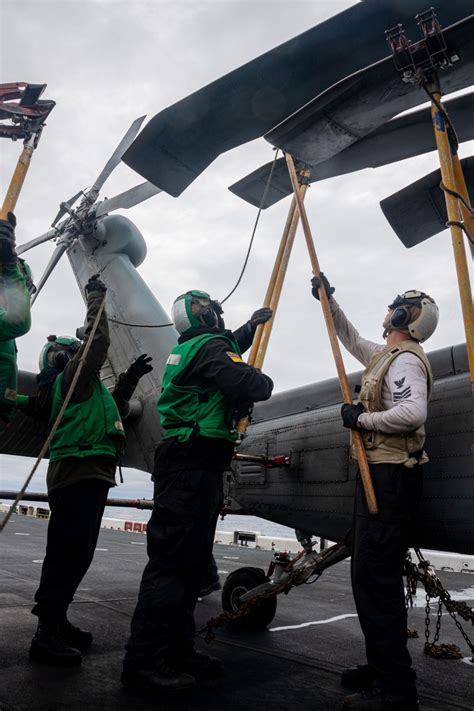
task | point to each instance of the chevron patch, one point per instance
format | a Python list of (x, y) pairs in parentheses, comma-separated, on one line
[(403, 394)]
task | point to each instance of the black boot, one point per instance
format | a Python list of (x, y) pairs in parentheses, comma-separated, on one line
[(49, 647), (75, 637), (160, 677), (359, 677), (201, 666)]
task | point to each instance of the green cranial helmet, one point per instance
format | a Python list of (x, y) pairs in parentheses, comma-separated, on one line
[(62, 348), (182, 313), (25, 269)]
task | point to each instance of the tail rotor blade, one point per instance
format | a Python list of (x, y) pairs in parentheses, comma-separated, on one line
[(38, 240), (128, 199), (57, 254), (116, 156)]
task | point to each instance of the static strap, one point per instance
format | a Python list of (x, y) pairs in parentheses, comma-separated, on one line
[(457, 196)]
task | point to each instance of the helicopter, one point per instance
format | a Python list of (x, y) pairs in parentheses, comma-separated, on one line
[(311, 488)]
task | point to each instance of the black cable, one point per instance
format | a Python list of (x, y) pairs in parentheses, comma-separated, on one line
[(139, 325), (262, 202)]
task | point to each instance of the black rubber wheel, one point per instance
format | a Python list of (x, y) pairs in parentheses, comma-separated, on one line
[(237, 584)]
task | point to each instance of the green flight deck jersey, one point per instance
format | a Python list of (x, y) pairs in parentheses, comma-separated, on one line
[(190, 410), (88, 428)]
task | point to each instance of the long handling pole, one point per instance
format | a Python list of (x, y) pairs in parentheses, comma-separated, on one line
[(466, 213), (346, 392), (18, 177), (275, 285), (449, 180)]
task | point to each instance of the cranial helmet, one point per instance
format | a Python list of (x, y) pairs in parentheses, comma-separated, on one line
[(25, 269), (195, 309), (415, 313), (57, 352)]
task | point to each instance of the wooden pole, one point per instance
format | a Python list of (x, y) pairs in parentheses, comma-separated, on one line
[(346, 392), (18, 178), (461, 188), (272, 296), (449, 180)]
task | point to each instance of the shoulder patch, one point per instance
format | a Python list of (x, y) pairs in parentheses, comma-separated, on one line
[(173, 359), (234, 356)]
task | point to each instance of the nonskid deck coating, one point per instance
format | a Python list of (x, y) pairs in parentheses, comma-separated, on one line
[(297, 662)]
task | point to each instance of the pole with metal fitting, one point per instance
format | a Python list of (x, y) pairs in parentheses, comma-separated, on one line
[(18, 177), (346, 392), (448, 176)]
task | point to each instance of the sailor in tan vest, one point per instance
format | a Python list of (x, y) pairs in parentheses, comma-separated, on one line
[(390, 415)]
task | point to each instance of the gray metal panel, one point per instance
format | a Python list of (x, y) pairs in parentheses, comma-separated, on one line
[(400, 138), (418, 211), (357, 105), (183, 139)]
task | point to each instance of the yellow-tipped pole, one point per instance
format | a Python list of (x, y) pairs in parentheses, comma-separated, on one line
[(275, 285), (346, 391), (18, 178), (449, 179)]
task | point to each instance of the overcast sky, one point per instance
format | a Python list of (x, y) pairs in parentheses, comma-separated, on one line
[(107, 62)]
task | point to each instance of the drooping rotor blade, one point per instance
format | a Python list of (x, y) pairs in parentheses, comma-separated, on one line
[(38, 240), (116, 156), (182, 140), (56, 256), (127, 199), (418, 212), (400, 138), (357, 105)]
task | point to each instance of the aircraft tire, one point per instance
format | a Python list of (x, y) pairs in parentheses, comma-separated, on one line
[(238, 583)]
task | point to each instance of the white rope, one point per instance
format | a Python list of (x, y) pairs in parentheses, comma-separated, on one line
[(58, 419)]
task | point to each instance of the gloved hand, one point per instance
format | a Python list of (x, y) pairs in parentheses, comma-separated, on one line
[(261, 316), (350, 414), (8, 254), (95, 284), (316, 283), (140, 367)]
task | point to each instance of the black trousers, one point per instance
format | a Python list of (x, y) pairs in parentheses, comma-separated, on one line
[(180, 537), (73, 530), (379, 546)]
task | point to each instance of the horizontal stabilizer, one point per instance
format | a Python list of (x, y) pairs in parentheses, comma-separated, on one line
[(400, 138), (418, 212), (360, 103), (181, 141)]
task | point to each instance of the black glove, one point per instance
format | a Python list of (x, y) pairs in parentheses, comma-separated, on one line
[(95, 284), (350, 414), (261, 316), (316, 283), (140, 367), (8, 254)]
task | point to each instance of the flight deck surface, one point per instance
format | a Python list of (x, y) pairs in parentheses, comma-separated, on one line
[(294, 664)]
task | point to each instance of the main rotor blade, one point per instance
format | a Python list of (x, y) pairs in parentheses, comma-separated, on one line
[(128, 199), (418, 212), (116, 156), (56, 256), (38, 240), (180, 142), (400, 138), (360, 103)]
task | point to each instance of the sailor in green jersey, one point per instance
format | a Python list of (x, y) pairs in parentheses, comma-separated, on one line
[(83, 456), (206, 386), (15, 318)]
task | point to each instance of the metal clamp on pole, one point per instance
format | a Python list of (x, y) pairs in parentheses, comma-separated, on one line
[(27, 118), (420, 62), (346, 391)]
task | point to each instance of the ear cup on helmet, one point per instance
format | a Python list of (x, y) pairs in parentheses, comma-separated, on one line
[(400, 317)]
